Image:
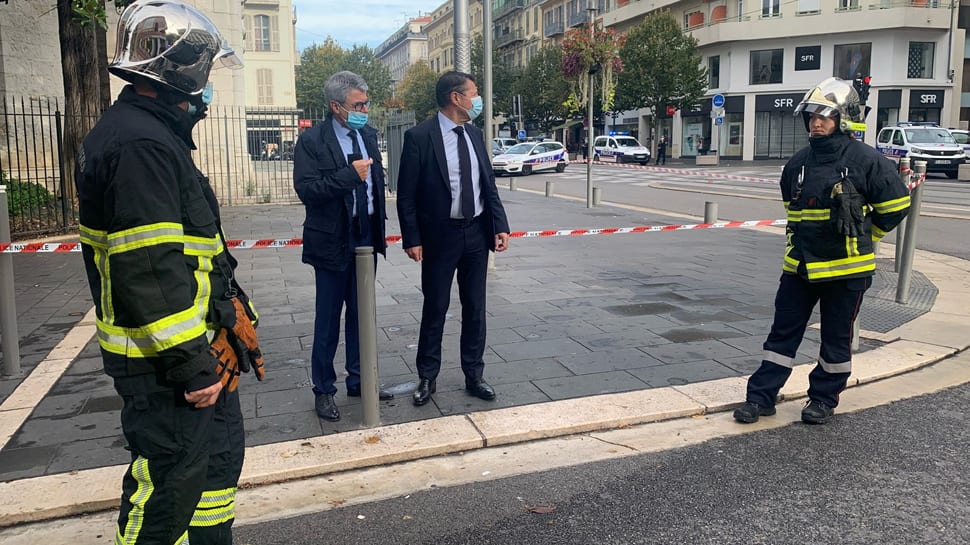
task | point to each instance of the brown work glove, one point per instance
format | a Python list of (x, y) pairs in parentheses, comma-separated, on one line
[(246, 342), (228, 363)]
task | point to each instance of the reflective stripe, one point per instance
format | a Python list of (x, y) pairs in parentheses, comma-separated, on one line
[(98, 242), (144, 236), (215, 507), (845, 367), (841, 267), (136, 517), (851, 246), (877, 233), (183, 539), (148, 341), (894, 205), (200, 246), (778, 359), (809, 214), (790, 264)]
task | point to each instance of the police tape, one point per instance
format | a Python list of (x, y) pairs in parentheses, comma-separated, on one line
[(68, 247), (914, 179)]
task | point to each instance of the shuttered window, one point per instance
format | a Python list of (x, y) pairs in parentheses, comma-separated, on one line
[(264, 87)]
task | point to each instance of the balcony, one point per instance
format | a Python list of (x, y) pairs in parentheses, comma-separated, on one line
[(553, 28), (503, 39), (577, 18), (509, 7)]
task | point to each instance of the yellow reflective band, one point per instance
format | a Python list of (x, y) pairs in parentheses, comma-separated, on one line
[(841, 267), (97, 240), (201, 246), (877, 233), (148, 341), (786, 203), (851, 246), (894, 205), (136, 517), (790, 264), (144, 236), (183, 539), (94, 237), (816, 214), (215, 507)]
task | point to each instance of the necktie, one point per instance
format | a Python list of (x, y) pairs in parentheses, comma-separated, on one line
[(360, 190), (465, 175)]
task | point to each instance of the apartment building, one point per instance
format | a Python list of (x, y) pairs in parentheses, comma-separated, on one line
[(441, 33), (517, 31), (763, 55), (405, 47)]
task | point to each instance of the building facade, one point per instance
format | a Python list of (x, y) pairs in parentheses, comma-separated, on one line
[(441, 33), (405, 47)]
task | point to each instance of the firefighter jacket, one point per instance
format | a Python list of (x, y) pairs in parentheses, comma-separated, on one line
[(151, 239), (815, 249)]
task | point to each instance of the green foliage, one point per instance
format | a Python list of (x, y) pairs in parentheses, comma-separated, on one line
[(544, 90), (22, 197), (504, 77), (319, 62), (88, 12), (661, 66), (416, 90)]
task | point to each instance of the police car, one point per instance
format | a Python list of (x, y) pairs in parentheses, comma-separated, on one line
[(529, 157), (962, 137), (922, 142), (620, 149)]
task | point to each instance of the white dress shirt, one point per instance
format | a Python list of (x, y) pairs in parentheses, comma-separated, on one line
[(450, 138)]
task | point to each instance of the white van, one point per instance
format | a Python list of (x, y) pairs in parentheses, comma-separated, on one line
[(922, 142), (620, 149)]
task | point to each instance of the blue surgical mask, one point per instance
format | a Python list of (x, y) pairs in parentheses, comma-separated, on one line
[(476, 108), (356, 120), (206, 98)]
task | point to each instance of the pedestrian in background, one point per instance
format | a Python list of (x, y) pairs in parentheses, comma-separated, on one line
[(662, 151), (174, 327), (451, 216), (842, 196), (337, 174)]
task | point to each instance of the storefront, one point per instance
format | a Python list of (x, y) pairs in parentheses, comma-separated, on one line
[(778, 132), (887, 111), (695, 137), (925, 105)]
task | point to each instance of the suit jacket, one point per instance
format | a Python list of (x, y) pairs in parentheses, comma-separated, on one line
[(424, 190), (325, 183)]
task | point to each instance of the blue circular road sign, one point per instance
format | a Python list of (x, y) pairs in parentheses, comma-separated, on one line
[(521, 134), (718, 101)]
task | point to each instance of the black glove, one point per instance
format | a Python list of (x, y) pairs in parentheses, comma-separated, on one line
[(847, 209)]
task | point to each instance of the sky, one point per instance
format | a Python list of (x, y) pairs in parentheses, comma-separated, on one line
[(349, 22)]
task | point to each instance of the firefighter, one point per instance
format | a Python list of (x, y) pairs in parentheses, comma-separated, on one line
[(841, 197), (175, 329)]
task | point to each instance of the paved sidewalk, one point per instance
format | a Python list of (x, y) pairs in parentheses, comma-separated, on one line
[(569, 318)]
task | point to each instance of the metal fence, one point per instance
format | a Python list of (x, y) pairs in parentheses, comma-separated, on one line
[(247, 153)]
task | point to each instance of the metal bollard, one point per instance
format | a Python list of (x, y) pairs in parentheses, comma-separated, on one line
[(909, 239), (511, 183), (550, 188), (905, 174), (367, 326), (9, 338), (596, 196), (710, 212)]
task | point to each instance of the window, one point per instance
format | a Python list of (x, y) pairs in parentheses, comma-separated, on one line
[(852, 59), (770, 8), (920, 63), (264, 87), (741, 15), (885, 136), (847, 5), (806, 7), (265, 33), (767, 66), (714, 71)]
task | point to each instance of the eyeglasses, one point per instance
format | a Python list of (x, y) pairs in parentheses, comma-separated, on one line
[(358, 106)]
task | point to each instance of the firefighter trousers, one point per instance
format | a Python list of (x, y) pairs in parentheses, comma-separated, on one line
[(181, 485), (839, 302)]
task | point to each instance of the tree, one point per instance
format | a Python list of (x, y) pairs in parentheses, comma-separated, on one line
[(362, 61), (317, 64), (544, 90), (504, 77), (416, 90), (662, 66)]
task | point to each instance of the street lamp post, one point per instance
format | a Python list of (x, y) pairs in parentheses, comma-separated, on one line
[(591, 13)]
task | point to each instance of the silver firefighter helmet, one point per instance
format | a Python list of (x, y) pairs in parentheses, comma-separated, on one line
[(831, 97), (170, 43)]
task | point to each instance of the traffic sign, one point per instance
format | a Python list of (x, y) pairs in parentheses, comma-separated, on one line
[(521, 134), (718, 120), (718, 101)]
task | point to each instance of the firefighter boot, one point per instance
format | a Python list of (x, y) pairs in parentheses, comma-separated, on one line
[(816, 412), (751, 411)]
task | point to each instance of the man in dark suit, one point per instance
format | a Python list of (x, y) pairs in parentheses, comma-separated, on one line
[(338, 175), (451, 216)]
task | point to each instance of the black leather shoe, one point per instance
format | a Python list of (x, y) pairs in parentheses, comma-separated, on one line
[(480, 389), (423, 392), (327, 408), (383, 395)]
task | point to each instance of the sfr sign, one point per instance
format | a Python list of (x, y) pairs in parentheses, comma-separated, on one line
[(927, 98)]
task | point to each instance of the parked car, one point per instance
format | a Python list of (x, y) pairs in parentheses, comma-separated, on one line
[(505, 143), (620, 149), (922, 142), (529, 157), (962, 137), (496, 148)]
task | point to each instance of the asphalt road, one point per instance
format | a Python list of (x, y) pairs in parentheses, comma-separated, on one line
[(895, 474)]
